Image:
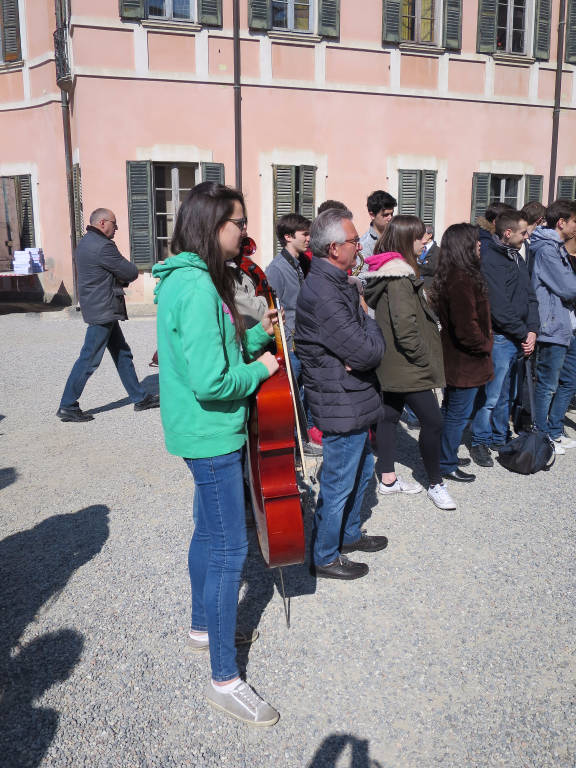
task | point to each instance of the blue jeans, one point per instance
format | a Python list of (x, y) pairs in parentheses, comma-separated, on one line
[(491, 422), (98, 339), (555, 386), (216, 557), (457, 408), (347, 468)]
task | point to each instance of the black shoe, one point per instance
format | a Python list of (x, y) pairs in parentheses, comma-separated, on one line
[(496, 446), (73, 414), (365, 544), (481, 455), (460, 476), (464, 462), (312, 449), (150, 401), (341, 568)]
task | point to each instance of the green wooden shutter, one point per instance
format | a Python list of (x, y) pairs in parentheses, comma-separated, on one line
[(284, 192), (25, 212), (139, 177), (212, 172), (452, 32), (409, 192), (307, 191), (391, 21), (428, 197), (78, 206), (571, 33), (566, 188), (486, 38), (533, 189), (133, 9), (480, 195), (329, 18), (542, 24), (11, 31), (210, 12), (259, 14)]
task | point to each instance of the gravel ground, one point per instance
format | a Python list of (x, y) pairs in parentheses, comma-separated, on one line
[(456, 650)]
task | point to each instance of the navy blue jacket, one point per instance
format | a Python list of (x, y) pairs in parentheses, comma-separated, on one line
[(332, 332), (513, 304)]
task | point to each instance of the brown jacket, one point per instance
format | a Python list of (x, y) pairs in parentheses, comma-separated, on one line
[(413, 358), (466, 332)]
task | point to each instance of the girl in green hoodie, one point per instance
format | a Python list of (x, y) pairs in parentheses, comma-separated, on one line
[(207, 373)]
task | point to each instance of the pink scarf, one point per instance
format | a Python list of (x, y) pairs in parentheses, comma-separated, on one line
[(379, 259)]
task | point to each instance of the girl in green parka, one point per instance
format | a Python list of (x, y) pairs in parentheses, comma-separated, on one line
[(207, 373)]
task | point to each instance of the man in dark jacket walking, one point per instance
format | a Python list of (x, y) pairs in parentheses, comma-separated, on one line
[(515, 322), (339, 347), (102, 273)]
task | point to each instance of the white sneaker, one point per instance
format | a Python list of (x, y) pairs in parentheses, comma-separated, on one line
[(400, 486), (244, 704), (565, 441), (440, 496), (559, 449)]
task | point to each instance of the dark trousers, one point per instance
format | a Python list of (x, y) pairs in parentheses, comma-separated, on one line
[(99, 338), (427, 410)]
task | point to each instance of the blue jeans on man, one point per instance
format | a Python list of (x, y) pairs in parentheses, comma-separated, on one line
[(555, 386), (346, 471), (457, 408), (491, 422), (99, 338), (216, 557)]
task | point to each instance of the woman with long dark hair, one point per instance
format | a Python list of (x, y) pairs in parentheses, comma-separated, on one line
[(460, 297), (207, 371), (412, 365)]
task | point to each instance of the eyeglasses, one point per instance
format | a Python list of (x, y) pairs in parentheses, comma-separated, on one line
[(111, 222), (355, 241), (240, 223)]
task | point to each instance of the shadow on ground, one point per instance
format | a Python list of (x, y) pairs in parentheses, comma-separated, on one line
[(35, 566), (333, 751)]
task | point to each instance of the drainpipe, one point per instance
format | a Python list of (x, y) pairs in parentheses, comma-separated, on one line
[(70, 186), (557, 101), (237, 96)]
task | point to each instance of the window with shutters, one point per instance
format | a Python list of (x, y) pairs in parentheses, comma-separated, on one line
[(432, 23), (155, 191), (566, 187), (419, 22), (294, 191), (293, 15), (16, 217), (517, 190), (10, 50), (172, 9), (515, 27), (504, 189), (511, 22), (417, 194)]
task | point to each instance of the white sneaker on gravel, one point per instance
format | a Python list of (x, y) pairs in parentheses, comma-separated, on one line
[(565, 441), (244, 704), (400, 486), (440, 496), (241, 638), (559, 449)]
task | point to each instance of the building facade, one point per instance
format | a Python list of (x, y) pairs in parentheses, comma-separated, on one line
[(446, 104)]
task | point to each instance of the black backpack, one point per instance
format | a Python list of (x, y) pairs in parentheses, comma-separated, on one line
[(531, 451)]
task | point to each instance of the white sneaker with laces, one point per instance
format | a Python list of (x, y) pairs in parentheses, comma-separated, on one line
[(400, 486), (244, 704), (440, 496), (559, 449), (565, 441)]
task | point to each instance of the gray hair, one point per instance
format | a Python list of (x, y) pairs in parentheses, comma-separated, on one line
[(99, 214), (429, 230), (327, 228)]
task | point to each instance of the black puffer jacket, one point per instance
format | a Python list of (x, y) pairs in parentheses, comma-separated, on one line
[(332, 332), (102, 271), (513, 303)]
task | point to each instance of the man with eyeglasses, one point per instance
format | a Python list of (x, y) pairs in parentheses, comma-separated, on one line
[(339, 347), (102, 274)]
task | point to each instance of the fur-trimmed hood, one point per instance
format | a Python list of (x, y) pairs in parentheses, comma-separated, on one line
[(392, 269)]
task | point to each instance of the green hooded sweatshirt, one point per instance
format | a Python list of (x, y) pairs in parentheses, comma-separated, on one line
[(205, 379)]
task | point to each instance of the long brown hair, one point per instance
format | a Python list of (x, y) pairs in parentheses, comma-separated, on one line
[(458, 251), (203, 211), (399, 237)]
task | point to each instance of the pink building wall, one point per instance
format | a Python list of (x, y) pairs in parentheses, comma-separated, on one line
[(357, 110)]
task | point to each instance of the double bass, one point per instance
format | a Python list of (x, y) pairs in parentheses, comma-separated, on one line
[(274, 489)]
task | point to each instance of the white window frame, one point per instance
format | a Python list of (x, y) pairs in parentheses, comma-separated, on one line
[(175, 187), (502, 194), (169, 10), (528, 29), (290, 22), (437, 36)]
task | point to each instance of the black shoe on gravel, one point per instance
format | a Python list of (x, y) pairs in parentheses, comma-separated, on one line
[(341, 568), (481, 455), (365, 544)]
